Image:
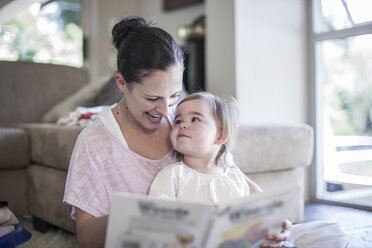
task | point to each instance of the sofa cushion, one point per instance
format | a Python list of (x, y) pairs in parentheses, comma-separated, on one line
[(51, 144), (85, 97), (14, 148), (262, 148), (28, 90)]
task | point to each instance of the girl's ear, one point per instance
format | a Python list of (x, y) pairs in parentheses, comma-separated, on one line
[(120, 82), (222, 137)]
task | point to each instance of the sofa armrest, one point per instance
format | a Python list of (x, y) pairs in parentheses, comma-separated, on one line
[(51, 144), (14, 148), (268, 147)]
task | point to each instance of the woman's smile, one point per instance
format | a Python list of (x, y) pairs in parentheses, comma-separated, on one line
[(154, 118)]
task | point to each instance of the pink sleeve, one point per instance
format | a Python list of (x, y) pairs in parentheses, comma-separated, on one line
[(84, 187)]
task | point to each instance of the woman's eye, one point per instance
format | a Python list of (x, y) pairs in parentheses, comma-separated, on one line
[(195, 119)]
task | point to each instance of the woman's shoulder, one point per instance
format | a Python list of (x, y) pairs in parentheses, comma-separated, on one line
[(98, 129), (93, 130), (95, 137)]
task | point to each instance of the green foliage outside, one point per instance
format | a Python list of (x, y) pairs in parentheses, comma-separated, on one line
[(52, 36), (349, 84)]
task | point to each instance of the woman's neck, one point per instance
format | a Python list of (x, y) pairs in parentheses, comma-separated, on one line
[(151, 144)]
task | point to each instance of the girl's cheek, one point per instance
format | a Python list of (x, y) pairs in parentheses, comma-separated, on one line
[(173, 136)]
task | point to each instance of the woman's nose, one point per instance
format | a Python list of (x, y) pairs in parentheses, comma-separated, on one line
[(163, 108)]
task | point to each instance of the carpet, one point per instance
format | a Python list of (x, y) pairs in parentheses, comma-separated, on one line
[(53, 238)]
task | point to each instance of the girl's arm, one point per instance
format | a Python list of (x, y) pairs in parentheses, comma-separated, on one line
[(90, 230), (275, 240)]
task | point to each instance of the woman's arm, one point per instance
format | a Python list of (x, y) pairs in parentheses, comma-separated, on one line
[(91, 231), (253, 187)]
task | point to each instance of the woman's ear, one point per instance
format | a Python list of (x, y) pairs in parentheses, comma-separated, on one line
[(222, 137), (120, 82)]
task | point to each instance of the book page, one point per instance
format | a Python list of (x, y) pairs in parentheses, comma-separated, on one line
[(246, 222), (142, 222)]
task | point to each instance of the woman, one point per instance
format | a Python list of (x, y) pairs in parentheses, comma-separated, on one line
[(126, 147)]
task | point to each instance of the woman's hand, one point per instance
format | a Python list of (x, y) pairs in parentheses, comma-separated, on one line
[(276, 240)]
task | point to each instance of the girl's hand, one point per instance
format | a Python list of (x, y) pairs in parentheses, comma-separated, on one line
[(276, 240)]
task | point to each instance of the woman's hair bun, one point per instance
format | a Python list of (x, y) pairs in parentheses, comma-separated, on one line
[(124, 27)]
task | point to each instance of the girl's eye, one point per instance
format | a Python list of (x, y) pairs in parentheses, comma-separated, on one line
[(176, 122), (195, 119)]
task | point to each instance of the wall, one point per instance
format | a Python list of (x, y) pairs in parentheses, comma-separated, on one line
[(257, 53), (105, 13), (220, 47), (271, 62)]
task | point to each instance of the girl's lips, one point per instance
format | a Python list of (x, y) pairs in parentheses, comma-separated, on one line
[(182, 136)]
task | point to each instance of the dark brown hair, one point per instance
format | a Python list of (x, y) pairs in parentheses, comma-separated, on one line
[(143, 48)]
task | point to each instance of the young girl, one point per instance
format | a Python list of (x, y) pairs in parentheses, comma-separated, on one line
[(204, 128), (203, 131)]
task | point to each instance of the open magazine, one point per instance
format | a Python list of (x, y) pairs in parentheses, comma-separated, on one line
[(138, 221)]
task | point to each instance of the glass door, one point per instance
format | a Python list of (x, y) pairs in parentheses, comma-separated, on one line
[(341, 44)]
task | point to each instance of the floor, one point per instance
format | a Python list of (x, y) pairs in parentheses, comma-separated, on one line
[(357, 223), (53, 238)]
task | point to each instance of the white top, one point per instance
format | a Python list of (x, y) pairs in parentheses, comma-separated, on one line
[(177, 181)]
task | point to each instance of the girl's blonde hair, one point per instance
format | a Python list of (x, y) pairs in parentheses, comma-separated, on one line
[(225, 112)]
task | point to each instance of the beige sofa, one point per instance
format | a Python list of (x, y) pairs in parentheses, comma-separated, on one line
[(32, 172), (34, 157)]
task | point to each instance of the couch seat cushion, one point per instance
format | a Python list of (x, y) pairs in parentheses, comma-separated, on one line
[(52, 145), (14, 148)]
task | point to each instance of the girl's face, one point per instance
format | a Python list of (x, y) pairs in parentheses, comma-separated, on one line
[(149, 101), (195, 132)]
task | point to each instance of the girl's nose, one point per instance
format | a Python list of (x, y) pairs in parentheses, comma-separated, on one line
[(183, 125)]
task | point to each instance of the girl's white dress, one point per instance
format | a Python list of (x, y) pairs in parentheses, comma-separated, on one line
[(178, 181)]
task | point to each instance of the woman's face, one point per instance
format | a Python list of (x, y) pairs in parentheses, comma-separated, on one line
[(149, 101)]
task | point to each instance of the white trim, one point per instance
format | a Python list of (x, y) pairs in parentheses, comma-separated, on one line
[(361, 29)]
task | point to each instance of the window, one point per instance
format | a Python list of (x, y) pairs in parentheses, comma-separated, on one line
[(341, 48), (49, 33)]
